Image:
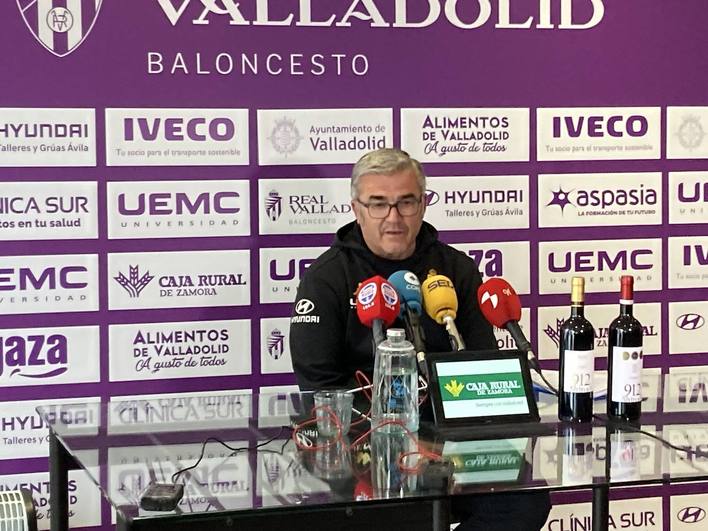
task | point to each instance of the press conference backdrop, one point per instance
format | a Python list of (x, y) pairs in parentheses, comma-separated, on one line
[(170, 168)]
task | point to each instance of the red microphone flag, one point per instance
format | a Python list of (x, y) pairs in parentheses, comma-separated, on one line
[(499, 302)]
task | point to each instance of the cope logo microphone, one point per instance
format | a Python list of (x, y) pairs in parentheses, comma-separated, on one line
[(377, 305)]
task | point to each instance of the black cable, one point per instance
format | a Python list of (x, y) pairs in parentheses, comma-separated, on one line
[(234, 451)]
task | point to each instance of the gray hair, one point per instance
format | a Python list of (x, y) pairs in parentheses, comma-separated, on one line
[(385, 161)]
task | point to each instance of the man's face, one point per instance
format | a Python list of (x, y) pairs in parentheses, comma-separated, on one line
[(392, 237)]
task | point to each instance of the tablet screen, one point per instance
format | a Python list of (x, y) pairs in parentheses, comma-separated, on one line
[(482, 388)]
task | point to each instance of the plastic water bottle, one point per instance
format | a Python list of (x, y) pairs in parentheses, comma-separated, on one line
[(395, 392)]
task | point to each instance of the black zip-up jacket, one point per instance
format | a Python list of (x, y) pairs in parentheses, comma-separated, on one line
[(327, 341)]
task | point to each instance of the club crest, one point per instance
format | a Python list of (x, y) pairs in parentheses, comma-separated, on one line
[(61, 26)]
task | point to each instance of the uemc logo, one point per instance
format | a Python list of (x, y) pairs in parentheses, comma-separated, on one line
[(589, 261), (219, 129), (27, 279), (489, 261), (696, 251), (294, 268), (698, 194), (168, 203), (617, 126), (33, 356)]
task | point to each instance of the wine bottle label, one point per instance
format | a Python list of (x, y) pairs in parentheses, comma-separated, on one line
[(626, 385), (578, 369)]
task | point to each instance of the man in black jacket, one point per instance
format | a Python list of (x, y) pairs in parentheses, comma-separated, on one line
[(328, 344)]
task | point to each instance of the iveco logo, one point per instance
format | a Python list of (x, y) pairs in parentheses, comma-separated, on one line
[(304, 306), (691, 515), (690, 321)]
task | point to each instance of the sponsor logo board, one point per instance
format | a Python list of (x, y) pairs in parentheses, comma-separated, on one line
[(178, 209), (44, 211), (688, 511), (688, 262), (304, 206), (598, 133), (687, 128), (510, 260), (551, 318), (177, 137), (275, 346), (466, 135), (277, 404), (178, 279), (47, 137), (601, 262), (179, 350), (179, 411), (84, 498), (43, 356), (48, 284), (281, 270), (321, 136), (689, 197), (476, 203), (592, 199), (688, 330), (643, 514), (25, 434), (686, 389)]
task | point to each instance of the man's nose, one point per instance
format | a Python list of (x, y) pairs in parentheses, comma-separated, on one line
[(393, 214)]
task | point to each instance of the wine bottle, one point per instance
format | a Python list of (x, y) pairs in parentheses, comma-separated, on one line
[(577, 359), (624, 359)]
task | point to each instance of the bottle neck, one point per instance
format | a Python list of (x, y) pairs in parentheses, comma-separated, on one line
[(577, 309), (626, 307)]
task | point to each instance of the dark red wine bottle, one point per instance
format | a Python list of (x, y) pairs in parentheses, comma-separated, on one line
[(577, 360), (625, 359)]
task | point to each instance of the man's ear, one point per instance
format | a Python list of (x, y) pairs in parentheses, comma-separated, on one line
[(357, 212)]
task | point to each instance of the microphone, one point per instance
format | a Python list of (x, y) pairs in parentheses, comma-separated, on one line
[(501, 306), (408, 287), (440, 301), (377, 305)]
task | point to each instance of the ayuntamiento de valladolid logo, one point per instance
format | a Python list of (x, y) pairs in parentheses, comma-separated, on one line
[(60, 26)]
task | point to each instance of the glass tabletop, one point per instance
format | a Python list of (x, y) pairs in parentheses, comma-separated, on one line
[(244, 457)]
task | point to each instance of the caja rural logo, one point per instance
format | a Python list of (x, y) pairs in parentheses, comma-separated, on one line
[(60, 26)]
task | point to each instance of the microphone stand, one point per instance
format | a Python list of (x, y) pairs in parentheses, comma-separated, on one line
[(455, 338)]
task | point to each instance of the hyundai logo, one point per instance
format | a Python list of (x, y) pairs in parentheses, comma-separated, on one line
[(691, 515), (690, 321), (304, 306), (431, 197)]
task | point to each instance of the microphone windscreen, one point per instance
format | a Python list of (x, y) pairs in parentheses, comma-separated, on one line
[(408, 287), (439, 297), (377, 300), (499, 302)]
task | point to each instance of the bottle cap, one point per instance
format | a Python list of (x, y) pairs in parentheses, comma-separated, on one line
[(396, 333), (626, 287), (577, 290)]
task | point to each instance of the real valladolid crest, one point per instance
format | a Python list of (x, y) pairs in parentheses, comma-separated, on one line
[(466, 14)]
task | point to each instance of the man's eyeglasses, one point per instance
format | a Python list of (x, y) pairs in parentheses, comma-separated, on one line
[(408, 206)]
